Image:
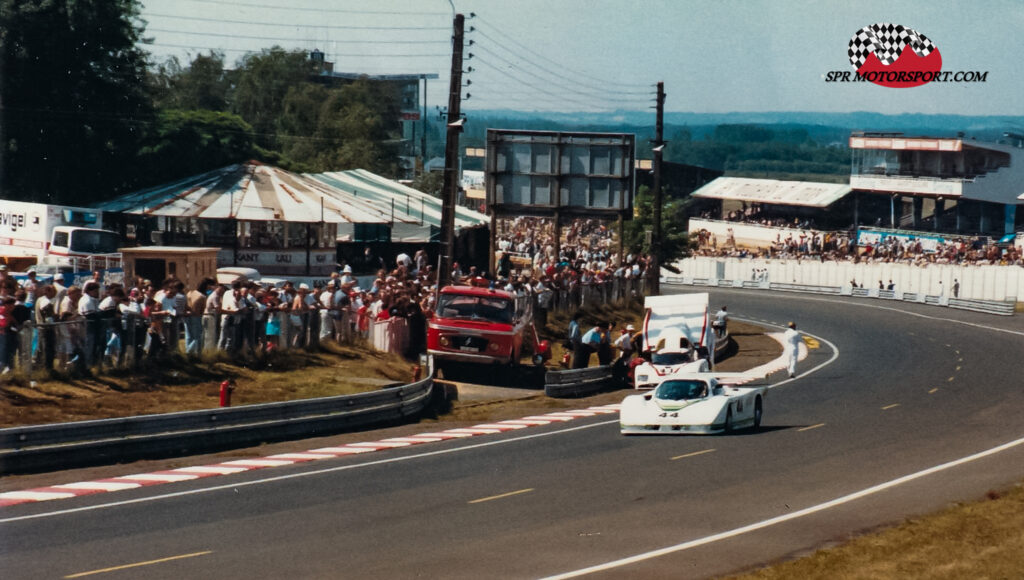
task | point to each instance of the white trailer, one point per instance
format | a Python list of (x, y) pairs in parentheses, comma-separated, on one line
[(59, 235), (677, 337)]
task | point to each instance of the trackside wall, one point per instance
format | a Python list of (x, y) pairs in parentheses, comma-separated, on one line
[(995, 283)]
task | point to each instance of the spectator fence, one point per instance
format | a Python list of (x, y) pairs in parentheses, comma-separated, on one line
[(124, 341)]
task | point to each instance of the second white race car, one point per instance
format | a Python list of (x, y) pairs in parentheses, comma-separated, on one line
[(693, 403), (673, 354)]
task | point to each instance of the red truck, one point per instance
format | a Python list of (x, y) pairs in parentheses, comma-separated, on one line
[(475, 324)]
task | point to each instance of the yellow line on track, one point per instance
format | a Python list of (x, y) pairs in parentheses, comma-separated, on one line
[(137, 564), (694, 454), (503, 495), (811, 427), (931, 392), (892, 406)]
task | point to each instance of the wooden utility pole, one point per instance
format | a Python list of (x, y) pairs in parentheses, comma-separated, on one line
[(451, 157), (659, 145)]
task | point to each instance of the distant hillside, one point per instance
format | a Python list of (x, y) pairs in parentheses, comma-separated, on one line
[(818, 125), (776, 145)]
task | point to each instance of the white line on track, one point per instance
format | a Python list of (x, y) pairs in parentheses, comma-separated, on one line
[(289, 476), (787, 517), (784, 296)]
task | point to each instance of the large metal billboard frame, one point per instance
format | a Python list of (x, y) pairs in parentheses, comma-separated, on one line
[(558, 174), (543, 171)]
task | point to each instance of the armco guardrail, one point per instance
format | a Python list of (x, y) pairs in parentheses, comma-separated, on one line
[(577, 382), (1001, 308), (45, 447), (804, 288), (990, 307)]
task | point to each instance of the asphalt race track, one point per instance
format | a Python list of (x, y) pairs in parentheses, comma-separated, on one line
[(901, 410)]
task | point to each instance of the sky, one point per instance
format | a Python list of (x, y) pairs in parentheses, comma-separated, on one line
[(600, 55)]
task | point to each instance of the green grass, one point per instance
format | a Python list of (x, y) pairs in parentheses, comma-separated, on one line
[(978, 540)]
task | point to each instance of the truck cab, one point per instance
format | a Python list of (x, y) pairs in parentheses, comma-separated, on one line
[(481, 325)]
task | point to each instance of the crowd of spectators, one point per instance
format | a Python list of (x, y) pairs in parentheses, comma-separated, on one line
[(60, 326), (840, 246), (756, 214), (53, 325), (587, 265)]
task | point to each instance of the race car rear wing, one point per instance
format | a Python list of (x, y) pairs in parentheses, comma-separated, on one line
[(728, 378)]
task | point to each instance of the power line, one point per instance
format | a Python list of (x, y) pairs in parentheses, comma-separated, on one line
[(568, 89), (559, 75), (537, 88), (558, 64), (284, 39), (279, 25), (517, 95), (333, 54), (322, 10)]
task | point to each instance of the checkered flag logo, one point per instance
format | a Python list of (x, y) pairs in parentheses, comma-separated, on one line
[(886, 42)]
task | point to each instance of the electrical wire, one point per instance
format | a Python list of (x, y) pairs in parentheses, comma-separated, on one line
[(333, 54), (561, 97), (603, 81), (566, 88), (321, 10), (559, 75), (283, 39), (280, 25)]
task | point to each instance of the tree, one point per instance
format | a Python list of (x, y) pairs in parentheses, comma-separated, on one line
[(298, 127), (429, 182), (72, 90), (348, 127), (191, 142), (202, 85), (262, 82), (676, 241)]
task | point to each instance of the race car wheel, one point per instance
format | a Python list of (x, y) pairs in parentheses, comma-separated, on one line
[(758, 411), (728, 420)]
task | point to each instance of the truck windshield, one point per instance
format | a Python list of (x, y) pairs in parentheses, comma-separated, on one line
[(498, 310), (94, 242)]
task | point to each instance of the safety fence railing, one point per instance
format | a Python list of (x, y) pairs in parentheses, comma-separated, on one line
[(608, 290), (123, 341), (1007, 308)]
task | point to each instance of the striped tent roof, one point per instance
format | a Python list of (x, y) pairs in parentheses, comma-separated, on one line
[(256, 192), (407, 203)]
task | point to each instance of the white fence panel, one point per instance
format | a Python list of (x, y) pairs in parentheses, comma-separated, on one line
[(998, 283)]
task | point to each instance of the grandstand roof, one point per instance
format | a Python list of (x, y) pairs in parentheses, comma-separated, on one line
[(772, 191)]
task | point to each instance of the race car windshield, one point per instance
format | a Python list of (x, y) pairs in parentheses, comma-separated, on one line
[(680, 390), (670, 358), (497, 310)]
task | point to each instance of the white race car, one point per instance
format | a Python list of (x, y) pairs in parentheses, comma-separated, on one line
[(694, 403), (673, 354)]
